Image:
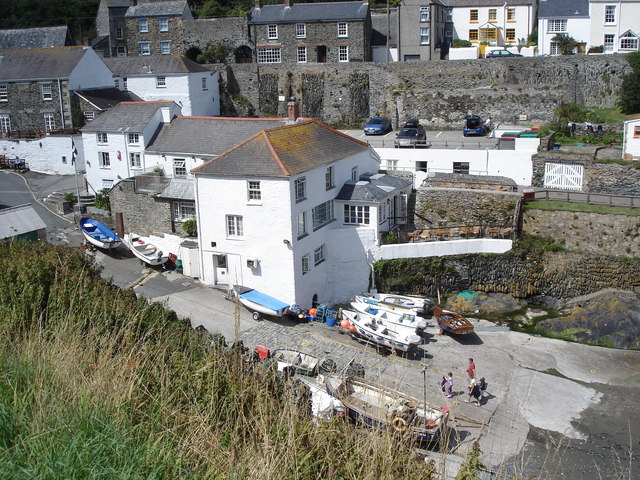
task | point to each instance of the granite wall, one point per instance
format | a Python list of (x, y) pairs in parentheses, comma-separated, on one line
[(142, 213)]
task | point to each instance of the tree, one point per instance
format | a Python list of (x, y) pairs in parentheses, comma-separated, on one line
[(629, 99), (565, 42)]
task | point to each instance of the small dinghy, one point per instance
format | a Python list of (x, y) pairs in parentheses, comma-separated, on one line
[(452, 322), (144, 249), (98, 234)]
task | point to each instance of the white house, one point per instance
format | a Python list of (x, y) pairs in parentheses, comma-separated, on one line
[(294, 212), (615, 25), (568, 17), (114, 143), (169, 77), (492, 22), (631, 141)]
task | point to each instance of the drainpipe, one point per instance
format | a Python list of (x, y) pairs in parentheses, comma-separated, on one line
[(61, 105)]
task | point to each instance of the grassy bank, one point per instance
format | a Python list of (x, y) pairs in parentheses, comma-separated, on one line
[(95, 383), (579, 207)]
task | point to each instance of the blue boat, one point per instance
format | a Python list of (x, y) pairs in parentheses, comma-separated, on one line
[(99, 234), (262, 304)]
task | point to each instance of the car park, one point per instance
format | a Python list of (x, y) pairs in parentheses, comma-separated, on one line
[(502, 54), (377, 126), (412, 135), (474, 125)]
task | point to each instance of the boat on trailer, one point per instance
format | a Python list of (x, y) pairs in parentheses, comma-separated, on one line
[(393, 301), (144, 249), (399, 318), (374, 329), (259, 303), (452, 322), (98, 234)]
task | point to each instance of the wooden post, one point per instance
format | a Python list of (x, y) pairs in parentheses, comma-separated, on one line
[(119, 224)]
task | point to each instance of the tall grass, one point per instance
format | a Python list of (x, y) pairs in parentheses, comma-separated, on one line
[(95, 383)]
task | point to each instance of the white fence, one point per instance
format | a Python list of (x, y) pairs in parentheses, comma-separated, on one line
[(443, 248)]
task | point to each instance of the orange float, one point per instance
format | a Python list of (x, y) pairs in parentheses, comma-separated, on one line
[(312, 312), (345, 323)]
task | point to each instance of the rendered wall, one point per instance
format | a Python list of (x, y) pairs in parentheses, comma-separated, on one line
[(46, 154)]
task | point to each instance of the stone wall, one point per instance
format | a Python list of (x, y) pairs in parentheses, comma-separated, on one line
[(588, 232), (26, 108), (202, 33), (440, 94), (141, 212), (155, 36)]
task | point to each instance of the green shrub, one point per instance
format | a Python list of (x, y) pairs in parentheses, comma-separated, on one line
[(190, 227), (459, 43), (102, 200), (71, 197)]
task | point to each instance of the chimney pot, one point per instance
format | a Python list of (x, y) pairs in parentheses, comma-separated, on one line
[(292, 109), (256, 4), (287, 3)]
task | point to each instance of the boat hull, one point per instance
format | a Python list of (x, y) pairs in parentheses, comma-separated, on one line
[(452, 322), (144, 250), (98, 234), (367, 329)]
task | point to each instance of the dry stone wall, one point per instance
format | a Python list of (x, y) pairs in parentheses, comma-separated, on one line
[(141, 213)]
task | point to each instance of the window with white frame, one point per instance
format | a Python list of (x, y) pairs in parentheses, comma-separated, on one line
[(322, 214), (493, 15), (354, 173), (511, 14), (301, 30), (163, 24), (449, 14), (272, 31), (609, 14), (89, 115), (300, 186), (253, 190), (134, 160), (356, 215), (461, 167), (121, 51), (234, 226), (301, 54), (302, 224), (343, 30), (125, 86), (424, 35), (304, 264), (329, 180), (343, 53), (49, 122), (143, 25), (184, 211), (392, 164), (161, 82), (45, 91), (107, 184), (204, 83), (103, 160), (424, 13), (102, 138), (319, 254), (165, 47), (119, 33), (629, 41), (609, 42), (554, 48), (116, 83), (179, 167), (134, 138), (269, 55), (5, 123), (4, 93), (145, 48), (557, 26)]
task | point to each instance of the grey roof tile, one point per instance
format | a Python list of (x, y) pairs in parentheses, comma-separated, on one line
[(488, 3), (42, 37), (310, 12), (19, 220), (39, 63), (154, 9), (104, 98), (372, 188), (563, 8), (154, 64), (125, 117), (179, 189)]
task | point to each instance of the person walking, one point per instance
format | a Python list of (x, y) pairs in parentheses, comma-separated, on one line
[(474, 391), (471, 369), (447, 384), (482, 385)]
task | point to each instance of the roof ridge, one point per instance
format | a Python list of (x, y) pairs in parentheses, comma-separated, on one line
[(226, 151)]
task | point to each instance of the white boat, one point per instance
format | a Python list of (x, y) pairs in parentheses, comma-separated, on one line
[(397, 317), (324, 406), (259, 303), (417, 305), (376, 330), (303, 363), (144, 249)]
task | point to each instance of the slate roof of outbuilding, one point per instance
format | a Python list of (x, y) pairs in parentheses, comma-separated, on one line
[(18, 220), (125, 117), (43, 37), (310, 12), (284, 151), (208, 136), (104, 98), (152, 65), (488, 3), (179, 189), (39, 63), (154, 9), (372, 188), (563, 8)]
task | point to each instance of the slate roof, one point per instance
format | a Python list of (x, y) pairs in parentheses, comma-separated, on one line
[(208, 136), (104, 98), (39, 63), (284, 151), (42, 37), (155, 9), (563, 8), (372, 188), (179, 189), (379, 28), (125, 117), (488, 3), (310, 12), (18, 220), (153, 64)]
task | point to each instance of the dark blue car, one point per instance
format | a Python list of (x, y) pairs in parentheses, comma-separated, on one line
[(377, 126), (474, 125)]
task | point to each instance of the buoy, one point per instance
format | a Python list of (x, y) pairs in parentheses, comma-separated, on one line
[(312, 312), (345, 323), (352, 329)]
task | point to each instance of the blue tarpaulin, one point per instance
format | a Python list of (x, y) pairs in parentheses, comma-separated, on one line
[(264, 300)]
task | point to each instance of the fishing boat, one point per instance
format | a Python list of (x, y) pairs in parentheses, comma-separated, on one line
[(144, 249), (388, 409), (303, 363), (99, 234), (452, 322), (375, 329), (323, 405), (259, 303), (397, 317), (416, 305)]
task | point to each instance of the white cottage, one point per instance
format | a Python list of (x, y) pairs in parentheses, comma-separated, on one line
[(293, 212), (631, 141)]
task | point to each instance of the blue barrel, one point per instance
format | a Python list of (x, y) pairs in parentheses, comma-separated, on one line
[(331, 320)]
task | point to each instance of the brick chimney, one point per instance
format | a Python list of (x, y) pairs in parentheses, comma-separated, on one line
[(287, 3), (292, 109), (256, 4)]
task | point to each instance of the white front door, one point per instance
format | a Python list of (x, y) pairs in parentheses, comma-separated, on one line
[(220, 269), (566, 176)]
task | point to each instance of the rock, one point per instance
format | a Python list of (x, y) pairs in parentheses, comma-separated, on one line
[(481, 302)]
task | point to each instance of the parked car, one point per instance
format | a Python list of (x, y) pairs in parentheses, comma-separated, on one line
[(377, 126), (413, 123), (474, 125), (501, 54), (412, 135)]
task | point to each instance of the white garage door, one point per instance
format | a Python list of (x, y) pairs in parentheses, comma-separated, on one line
[(565, 176)]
